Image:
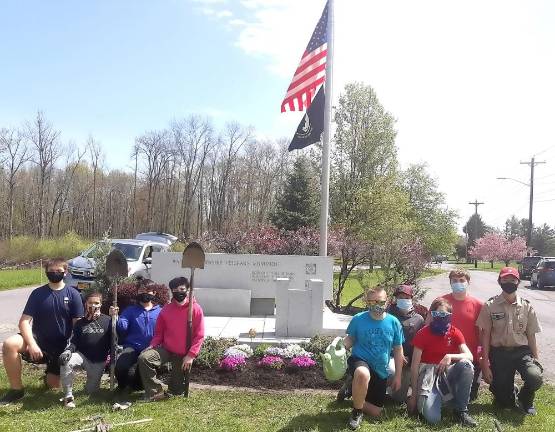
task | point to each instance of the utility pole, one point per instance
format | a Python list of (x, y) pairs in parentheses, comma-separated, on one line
[(532, 164), (475, 204)]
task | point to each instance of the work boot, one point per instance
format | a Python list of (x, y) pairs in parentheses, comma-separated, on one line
[(346, 390), (12, 396), (356, 419), (464, 419)]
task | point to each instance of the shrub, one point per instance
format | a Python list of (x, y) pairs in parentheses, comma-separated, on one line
[(22, 249), (317, 344), (212, 351), (302, 362), (261, 349), (232, 363), (272, 362)]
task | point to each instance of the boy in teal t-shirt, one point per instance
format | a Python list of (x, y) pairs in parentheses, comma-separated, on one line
[(372, 336)]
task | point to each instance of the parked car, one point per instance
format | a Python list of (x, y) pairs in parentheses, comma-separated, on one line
[(138, 252), (544, 274), (527, 265)]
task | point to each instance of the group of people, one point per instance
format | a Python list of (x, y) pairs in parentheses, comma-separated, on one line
[(426, 362), (65, 331), (441, 357)]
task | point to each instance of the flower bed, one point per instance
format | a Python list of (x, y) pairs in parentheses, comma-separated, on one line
[(265, 367)]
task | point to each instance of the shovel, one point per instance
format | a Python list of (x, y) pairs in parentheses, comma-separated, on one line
[(116, 269), (193, 258)]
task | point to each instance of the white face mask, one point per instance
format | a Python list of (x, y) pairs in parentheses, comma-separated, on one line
[(459, 287), (404, 304)]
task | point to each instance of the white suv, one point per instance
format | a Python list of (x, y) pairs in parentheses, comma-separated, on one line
[(138, 252)]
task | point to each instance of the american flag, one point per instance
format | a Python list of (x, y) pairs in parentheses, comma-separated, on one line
[(311, 72)]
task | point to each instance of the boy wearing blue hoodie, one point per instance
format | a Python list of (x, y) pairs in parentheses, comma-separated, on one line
[(135, 329)]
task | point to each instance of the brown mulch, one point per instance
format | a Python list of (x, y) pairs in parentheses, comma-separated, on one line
[(253, 376)]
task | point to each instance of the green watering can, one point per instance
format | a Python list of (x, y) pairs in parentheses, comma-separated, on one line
[(335, 360)]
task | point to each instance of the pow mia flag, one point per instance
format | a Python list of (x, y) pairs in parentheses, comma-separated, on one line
[(312, 125)]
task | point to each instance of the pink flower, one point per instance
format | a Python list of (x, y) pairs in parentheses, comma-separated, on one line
[(302, 362), (273, 362), (232, 363)]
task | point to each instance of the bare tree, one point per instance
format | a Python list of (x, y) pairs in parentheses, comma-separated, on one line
[(16, 154), (44, 141)]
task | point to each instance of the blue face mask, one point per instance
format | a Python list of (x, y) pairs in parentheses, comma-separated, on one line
[(404, 304), (459, 287)]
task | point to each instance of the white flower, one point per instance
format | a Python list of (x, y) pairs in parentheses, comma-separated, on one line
[(289, 352), (234, 352)]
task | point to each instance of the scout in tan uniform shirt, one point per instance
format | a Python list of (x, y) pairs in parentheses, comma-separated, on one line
[(509, 325)]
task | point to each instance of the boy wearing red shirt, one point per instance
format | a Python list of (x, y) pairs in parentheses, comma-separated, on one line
[(441, 360), (466, 310), (169, 341)]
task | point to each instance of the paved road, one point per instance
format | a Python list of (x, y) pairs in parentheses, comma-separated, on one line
[(12, 303), (483, 285)]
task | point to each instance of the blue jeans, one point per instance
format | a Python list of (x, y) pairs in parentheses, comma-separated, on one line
[(460, 376)]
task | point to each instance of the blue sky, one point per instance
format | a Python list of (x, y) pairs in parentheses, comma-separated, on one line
[(470, 82)]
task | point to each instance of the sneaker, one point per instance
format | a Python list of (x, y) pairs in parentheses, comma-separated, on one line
[(69, 402), (465, 420), (346, 390), (12, 396), (528, 410), (531, 410), (356, 419)]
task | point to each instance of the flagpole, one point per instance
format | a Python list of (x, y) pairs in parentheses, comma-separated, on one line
[(325, 193)]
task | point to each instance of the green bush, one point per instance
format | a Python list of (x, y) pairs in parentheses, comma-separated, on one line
[(259, 350), (22, 249), (317, 344), (212, 351)]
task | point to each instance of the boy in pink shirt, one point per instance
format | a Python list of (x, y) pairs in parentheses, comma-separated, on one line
[(169, 343)]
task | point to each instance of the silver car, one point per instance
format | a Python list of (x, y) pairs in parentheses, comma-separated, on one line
[(544, 273), (137, 251)]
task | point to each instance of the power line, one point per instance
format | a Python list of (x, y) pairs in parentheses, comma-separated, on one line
[(544, 150)]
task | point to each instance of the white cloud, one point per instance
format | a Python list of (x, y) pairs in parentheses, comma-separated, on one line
[(471, 86)]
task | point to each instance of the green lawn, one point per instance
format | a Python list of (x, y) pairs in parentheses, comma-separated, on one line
[(486, 266), (20, 278), (211, 410), (353, 287)]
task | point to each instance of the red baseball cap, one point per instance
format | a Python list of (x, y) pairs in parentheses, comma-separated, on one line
[(405, 289), (506, 271)]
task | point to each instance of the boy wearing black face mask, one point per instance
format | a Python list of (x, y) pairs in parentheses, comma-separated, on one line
[(169, 343), (45, 326), (88, 349), (135, 329), (509, 325)]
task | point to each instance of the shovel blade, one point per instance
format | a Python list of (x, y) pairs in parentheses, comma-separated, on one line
[(193, 256), (116, 264)]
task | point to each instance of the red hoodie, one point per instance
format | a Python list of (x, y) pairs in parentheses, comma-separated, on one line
[(171, 329)]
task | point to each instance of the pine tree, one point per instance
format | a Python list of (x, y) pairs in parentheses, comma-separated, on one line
[(298, 204)]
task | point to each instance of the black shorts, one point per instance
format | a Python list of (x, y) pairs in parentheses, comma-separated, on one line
[(376, 387), (49, 358)]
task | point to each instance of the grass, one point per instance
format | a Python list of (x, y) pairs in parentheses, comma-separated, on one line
[(211, 410), (20, 278), (486, 266), (354, 288)]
